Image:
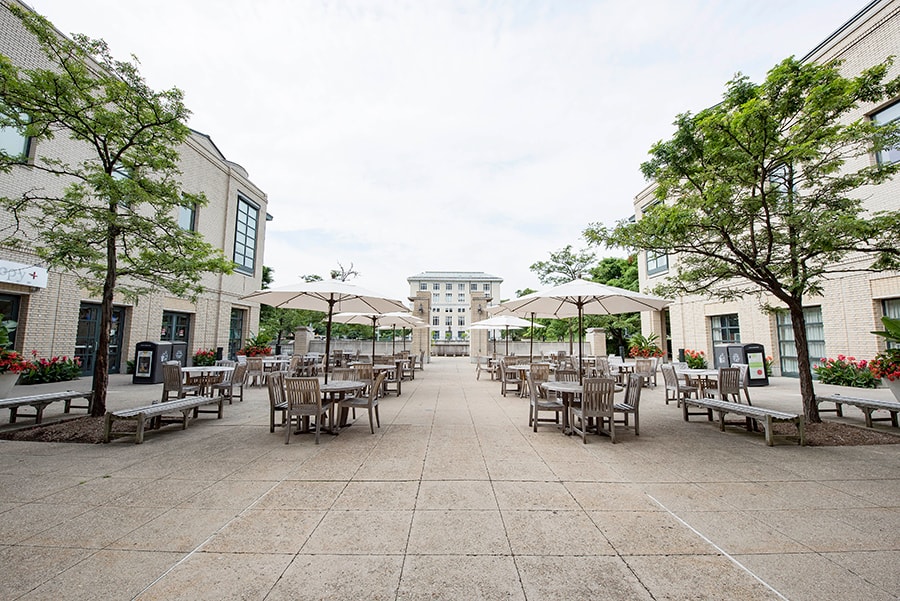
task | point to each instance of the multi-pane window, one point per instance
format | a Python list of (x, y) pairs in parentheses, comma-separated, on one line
[(461, 287), (473, 287), (435, 297), (815, 335), (245, 235), (448, 321), (175, 327), (235, 331), (448, 297), (886, 115), (461, 320), (461, 297), (448, 286), (725, 329), (657, 262), (435, 321), (486, 287), (423, 285), (435, 286)]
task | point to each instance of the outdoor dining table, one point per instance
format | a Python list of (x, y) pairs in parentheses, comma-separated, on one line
[(703, 377), (205, 375), (336, 391), (567, 392)]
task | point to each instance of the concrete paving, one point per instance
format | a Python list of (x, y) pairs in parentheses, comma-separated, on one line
[(454, 497)]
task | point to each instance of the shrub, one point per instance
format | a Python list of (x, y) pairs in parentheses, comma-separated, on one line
[(644, 346), (845, 371), (55, 369), (695, 359), (204, 357), (886, 364)]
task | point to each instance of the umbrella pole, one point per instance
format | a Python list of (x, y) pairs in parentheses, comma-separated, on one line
[(374, 332), (531, 347), (507, 341), (328, 337), (393, 343), (580, 323)]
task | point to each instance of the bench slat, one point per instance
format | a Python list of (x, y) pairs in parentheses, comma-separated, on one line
[(753, 414), (141, 414), (40, 401), (867, 406)]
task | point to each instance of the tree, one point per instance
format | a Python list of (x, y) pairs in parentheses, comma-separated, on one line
[(622, 273), (276, 322), (761, 193), (114, 225), (563, 266)]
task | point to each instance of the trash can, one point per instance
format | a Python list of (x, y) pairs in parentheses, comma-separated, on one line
[(149, 357), (179, 353), (720, 357), (754, 355)]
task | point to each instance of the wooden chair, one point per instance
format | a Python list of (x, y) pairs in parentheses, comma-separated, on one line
[(596, 404), (566, 375), (631, 404), (304, 400), (231, 381), (645, 367), (538, 404), (745, 379), (509, 378), (602, 369), (393, 378), (277, 402), (676, 389), (173, 383), (727, 385), (409, 368), (369, 402), (362, 372), (256, 373), (539, 372)]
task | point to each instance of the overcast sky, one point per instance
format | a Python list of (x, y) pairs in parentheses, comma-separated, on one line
[(423, 135)]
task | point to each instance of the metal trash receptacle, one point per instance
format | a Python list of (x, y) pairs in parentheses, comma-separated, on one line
[(720, 357), (754, 355), (179, 353), (149, 357)]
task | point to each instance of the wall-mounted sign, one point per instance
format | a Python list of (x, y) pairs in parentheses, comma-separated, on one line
[(24, 275)]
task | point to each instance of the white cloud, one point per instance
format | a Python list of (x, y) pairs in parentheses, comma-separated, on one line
[(412, 136)]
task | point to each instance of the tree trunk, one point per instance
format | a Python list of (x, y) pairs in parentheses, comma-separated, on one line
[(807, 393), (101, 361)]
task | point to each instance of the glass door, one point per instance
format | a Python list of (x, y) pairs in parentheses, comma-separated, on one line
[(88, 336)]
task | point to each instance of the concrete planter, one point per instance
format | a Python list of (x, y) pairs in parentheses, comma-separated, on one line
[(893, 385), (7, 381)]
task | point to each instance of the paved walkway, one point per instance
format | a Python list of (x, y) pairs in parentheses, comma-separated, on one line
[(453, 498)]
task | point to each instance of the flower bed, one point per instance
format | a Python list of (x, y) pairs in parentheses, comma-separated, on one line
[(845, 371)]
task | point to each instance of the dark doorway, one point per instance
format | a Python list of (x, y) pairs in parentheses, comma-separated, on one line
[(89, 335)]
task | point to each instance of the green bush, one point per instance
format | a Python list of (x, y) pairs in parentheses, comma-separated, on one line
[(845, 371), (56, 369)]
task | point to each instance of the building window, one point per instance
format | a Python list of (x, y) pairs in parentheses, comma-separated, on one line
[(423, 285), (236, 332), (815, 334), (14, 144), (461, 287), (187, 217), (175, 327), (461, 297), (435, 286), (486, 287), (435, 335), (461, 320), (435, 297), (448, 286), (886, 115), (473, 287), (448, 321), (448, 297), (245, 235), (657, 263), (891, 308), (461, 310), (725, 329), (435, 321)]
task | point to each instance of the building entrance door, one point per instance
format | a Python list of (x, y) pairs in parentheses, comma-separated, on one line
[(89, 335)]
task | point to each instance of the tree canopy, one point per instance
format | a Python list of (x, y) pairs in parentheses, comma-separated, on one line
[(114, 223), (760, 194)]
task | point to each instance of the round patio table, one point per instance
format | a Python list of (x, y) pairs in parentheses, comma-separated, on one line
[(336, 391)]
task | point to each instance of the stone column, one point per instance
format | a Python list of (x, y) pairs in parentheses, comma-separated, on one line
[(596, 337), (478, 339), (302, 337)]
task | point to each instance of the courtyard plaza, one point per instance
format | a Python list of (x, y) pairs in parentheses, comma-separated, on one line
[(453, 497)]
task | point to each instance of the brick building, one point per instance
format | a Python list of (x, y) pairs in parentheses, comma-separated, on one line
[(56, 317), (851, 306)]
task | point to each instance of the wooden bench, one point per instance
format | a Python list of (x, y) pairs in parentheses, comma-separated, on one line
[(40, 402), (867, 406), (766, 417), (155, 411)]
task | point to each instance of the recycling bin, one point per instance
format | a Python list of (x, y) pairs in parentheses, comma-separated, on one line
[(179, 353), (754, 355), (149, 357), (720, 357)]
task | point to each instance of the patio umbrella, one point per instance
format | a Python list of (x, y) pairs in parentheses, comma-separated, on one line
[(390, 321), (575, 298), (503, 321), (327, 296), (374, 319)]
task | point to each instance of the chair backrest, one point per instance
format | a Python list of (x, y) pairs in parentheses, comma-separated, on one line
[(294, 367), (532, 389), (375, 388), (745, 373), (343, 373), (643, 365), (239, 376), (225, 363), (172, 377), (275, 383), (241, 359), (302, 393), (729, 380), (255, 364), (597, 396), (363, 372), (669, 377), (633, 391), (566, 375), (602, 367), (539, 372)]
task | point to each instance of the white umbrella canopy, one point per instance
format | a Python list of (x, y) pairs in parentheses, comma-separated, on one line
[(575, 298), (327, 296), (379, 320), (499, 322)]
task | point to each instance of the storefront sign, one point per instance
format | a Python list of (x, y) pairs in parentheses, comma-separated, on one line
[(25, 275)]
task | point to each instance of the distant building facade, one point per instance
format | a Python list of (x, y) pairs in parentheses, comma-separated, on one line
[(851, 306), (450, 301), (57, 317)]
